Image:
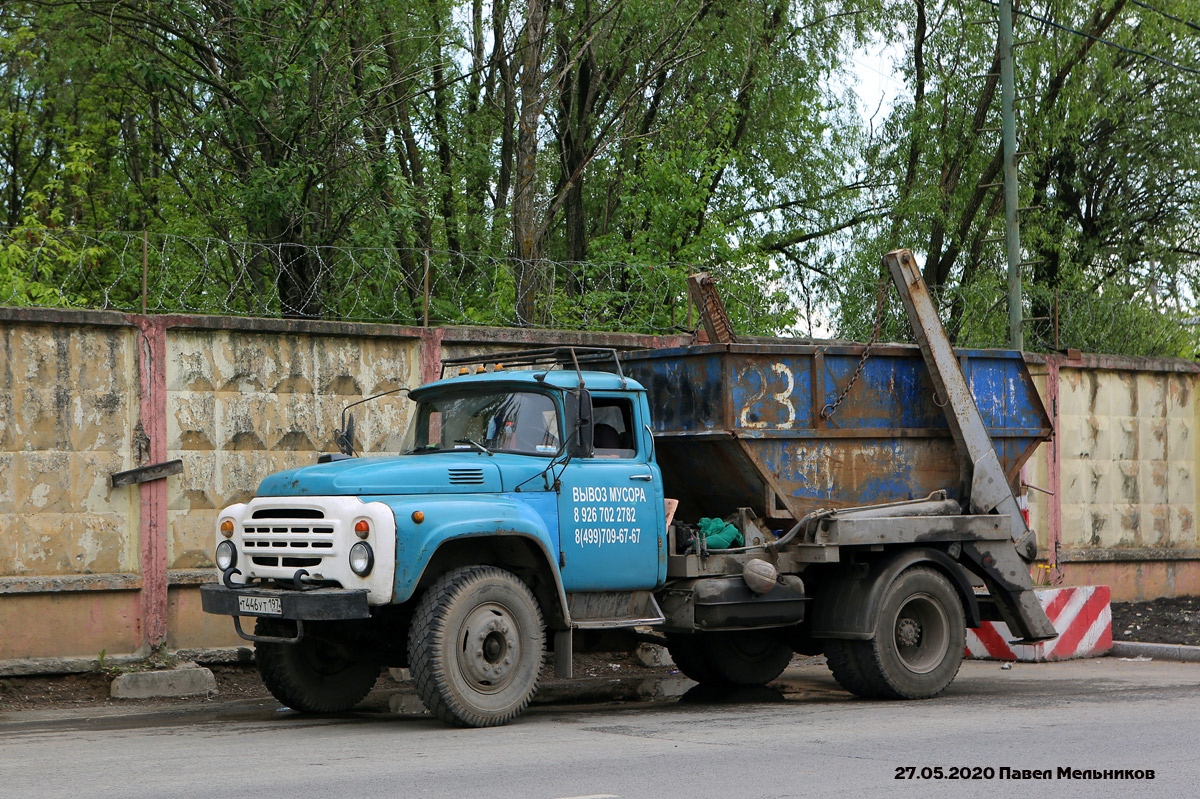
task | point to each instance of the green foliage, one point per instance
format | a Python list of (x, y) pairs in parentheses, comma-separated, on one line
[(159, 659), (35, 260), (346, 142), (1110, 178)]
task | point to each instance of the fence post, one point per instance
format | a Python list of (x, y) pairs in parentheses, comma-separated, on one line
[(152, 495), (1056, 317), (145, 267), (426, 287)]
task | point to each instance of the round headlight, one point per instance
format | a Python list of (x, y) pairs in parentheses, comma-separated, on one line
[(362, 559), (226, 555)]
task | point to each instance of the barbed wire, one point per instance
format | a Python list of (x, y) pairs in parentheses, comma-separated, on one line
[(163, 273)]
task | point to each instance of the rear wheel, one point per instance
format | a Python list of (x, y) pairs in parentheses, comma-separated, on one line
[(735, 657), (476, 647), (918, 643), (845, 660), (316, 675)]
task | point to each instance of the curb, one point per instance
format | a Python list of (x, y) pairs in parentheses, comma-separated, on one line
[(187, 680), (50, 667), (1175, 652)]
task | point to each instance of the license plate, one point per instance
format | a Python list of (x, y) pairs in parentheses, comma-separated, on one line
[(261, 605)]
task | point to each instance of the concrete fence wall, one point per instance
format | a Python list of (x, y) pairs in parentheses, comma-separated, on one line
[(86, 568), (1123, 472)]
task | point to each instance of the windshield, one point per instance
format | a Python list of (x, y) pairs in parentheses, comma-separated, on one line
[(501, 421)]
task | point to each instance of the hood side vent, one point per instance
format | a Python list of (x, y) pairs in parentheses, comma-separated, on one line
[(466, 476)]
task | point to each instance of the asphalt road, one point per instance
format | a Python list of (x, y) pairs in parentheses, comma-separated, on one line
[(808, 739)]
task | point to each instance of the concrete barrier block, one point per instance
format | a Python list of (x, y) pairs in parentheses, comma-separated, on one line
[(653, 655), (1082, 616), (191, 680)]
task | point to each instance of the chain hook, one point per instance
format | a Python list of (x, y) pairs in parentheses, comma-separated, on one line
[(829, 409)]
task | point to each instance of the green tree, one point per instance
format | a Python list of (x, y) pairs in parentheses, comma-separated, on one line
[(1108, 177)]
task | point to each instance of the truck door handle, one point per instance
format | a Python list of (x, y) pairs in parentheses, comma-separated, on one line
[(641, 477)]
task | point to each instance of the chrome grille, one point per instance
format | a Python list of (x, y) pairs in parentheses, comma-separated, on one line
[(288, 537)]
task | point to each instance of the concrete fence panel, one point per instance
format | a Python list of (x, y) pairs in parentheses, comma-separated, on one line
[(85, 567), (69, 543), (1123, 469)]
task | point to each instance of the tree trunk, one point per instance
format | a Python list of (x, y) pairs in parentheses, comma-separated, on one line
[(531, 272)]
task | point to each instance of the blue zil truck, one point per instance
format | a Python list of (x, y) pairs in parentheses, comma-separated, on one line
[(550, 502)]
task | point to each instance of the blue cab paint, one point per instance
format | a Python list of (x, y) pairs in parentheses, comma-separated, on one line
[(598, 521)]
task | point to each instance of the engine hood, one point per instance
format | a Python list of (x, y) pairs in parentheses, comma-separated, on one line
[(450, 473)]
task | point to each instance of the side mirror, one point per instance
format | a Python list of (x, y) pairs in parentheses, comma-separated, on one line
[(345, 438), (579, 423)]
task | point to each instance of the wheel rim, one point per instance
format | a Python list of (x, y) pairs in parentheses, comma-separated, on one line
[(489, 651), (921, 633)]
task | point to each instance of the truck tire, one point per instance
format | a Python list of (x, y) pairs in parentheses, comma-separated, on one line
[(736, 657), (919, 636), (476, 646), (315, 675), (845, 660), (691, 657)]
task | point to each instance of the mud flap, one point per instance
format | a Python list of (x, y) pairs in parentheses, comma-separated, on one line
[(1006, 576)]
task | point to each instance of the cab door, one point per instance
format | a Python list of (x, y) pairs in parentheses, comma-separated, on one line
[(610, 506)]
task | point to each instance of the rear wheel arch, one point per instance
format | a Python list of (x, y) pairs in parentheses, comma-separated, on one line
[(848, 600)]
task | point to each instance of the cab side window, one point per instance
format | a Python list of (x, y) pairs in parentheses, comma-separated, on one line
[(612, 433)]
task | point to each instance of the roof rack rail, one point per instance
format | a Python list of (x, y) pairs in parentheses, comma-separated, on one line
[(548, 356)]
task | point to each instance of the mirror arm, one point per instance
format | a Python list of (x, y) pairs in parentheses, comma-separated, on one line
[(346, 436)]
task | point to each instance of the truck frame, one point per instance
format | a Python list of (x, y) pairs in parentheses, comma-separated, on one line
[(551, 498)]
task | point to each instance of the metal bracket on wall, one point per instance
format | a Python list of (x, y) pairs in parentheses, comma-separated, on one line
[(144, 474)]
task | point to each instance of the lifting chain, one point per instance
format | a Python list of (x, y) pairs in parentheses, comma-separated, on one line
[(828, 411)]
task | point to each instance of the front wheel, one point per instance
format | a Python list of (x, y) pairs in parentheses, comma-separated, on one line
[(918, 643), (476, 647), (316, 675)]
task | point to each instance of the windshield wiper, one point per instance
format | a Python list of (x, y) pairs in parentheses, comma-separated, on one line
[(474, 444)]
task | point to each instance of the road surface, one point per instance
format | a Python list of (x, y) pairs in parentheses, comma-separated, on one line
[(806, 738)]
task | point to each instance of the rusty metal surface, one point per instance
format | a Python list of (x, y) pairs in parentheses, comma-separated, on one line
[(703, 292), (731, 421), (144, 474)]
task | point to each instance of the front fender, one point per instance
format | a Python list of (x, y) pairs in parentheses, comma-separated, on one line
[(447, 518)]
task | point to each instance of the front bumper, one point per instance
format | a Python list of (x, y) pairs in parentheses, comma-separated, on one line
[(317, 604)]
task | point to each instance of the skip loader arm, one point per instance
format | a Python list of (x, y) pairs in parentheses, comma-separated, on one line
[(1002, 565)]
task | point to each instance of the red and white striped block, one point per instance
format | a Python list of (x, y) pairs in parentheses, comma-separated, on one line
[(1081, 615)]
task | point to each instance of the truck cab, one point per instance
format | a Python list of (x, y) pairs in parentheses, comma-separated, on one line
[(537, 485)]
